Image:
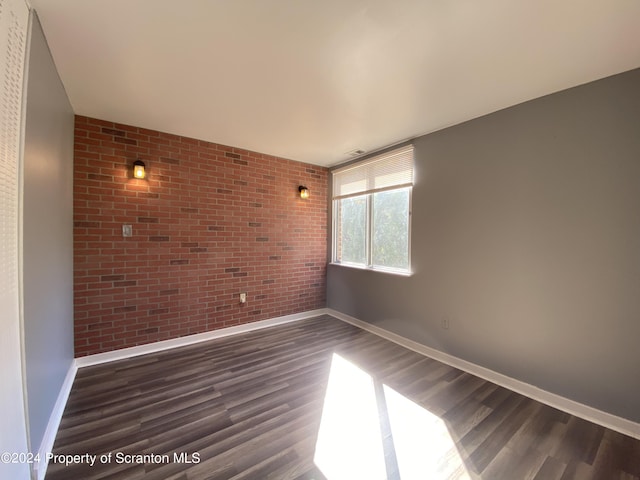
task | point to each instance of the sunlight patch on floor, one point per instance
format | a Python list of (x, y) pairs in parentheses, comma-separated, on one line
[(349, 441), (424, 447), (350, 445)]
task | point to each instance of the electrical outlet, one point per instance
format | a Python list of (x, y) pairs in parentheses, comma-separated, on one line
[(243, 298), (127, 230), (444, 323)]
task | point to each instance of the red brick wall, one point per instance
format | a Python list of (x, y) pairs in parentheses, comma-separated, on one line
[(209, 222)]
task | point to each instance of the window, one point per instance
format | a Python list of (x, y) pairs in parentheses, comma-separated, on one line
[(371, 212)]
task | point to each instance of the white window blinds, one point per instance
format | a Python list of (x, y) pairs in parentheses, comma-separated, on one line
[(14, 16), (389, 170)]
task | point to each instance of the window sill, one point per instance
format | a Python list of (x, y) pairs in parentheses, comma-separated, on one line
[(399, 273)]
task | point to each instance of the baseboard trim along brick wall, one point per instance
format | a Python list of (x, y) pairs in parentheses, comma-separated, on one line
[(164, 345)]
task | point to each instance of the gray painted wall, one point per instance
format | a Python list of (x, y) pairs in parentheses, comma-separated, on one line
[(526, 235), (48, 235)]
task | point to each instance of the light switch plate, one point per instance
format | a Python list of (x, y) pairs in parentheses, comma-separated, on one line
[(127, 230)]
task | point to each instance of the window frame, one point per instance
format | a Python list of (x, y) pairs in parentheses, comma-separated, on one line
[(369, 213)]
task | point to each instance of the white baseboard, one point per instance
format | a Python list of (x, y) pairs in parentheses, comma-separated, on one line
[(129, 352), (622, 425), (46, 446)]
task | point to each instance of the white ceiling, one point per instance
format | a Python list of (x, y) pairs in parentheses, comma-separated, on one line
[(311, 80)]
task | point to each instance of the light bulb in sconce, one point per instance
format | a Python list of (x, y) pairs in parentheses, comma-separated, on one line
[(304, 192), (139, 169)]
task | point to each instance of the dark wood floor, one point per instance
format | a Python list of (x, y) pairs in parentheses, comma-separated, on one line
[(253, 406)]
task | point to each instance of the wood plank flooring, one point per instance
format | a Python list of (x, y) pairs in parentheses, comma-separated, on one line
[(285, 402)]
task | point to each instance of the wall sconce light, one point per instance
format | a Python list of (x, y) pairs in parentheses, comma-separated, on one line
[(304, 192), (138, 169)]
